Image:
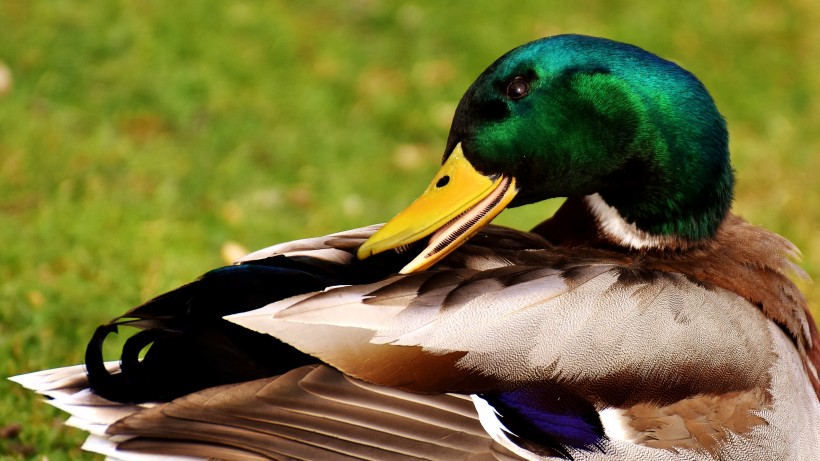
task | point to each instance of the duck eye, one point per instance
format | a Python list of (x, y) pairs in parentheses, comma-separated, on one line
[(518, 88)]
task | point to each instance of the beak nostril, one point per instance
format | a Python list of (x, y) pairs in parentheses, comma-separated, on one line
[(443, 181)]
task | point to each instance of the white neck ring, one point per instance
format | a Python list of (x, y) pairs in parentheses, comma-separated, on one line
[(615, 227)]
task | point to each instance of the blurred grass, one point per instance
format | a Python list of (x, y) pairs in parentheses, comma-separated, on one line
[(137, 138)]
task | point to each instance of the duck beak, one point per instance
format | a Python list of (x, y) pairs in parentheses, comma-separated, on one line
[(457, 203)]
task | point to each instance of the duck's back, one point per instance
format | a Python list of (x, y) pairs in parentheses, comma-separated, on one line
[(515, 321)]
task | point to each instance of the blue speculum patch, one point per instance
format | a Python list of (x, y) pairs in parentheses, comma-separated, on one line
[(550, 418)]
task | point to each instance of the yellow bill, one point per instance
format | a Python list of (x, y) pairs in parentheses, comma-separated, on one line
[(457, 203)]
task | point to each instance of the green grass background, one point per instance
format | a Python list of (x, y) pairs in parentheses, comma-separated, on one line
[(139, 137)]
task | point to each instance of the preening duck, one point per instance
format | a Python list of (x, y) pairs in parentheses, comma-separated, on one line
[(642, 321)]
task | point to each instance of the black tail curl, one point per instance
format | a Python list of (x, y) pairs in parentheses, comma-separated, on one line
[(191, 347)]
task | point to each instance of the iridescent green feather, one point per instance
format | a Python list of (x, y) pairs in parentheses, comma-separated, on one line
[(603, 117)]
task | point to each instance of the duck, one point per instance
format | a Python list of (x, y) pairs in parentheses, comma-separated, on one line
[(643, 320)]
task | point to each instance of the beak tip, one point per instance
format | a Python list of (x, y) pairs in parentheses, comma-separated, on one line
[(364, 251)]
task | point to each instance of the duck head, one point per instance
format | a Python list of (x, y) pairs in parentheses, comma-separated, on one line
[(638, 137)]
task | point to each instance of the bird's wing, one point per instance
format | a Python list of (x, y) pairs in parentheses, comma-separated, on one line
[(310, 413), (594, 326)]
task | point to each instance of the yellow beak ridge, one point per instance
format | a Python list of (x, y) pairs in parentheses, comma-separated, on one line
[(457, 203)]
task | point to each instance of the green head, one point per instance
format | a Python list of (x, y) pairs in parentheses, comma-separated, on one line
[(576, 116), (573, 115)]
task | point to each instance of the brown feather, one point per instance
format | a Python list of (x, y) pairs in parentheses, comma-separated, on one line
[(310, 413), (701, 422)]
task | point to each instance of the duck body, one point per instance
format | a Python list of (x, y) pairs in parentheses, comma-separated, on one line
[(643, 321)]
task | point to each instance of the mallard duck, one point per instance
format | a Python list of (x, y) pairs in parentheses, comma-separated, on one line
[(642, 321)]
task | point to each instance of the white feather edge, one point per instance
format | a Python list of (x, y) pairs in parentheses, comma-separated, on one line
[(615, 424), (66, 389), (337, 306), (612, 420), (108, 448), (488, 416), (315, 247)]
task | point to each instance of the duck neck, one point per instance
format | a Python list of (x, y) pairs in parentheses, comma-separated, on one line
[(613, 227), (667, 202), (591, 221)]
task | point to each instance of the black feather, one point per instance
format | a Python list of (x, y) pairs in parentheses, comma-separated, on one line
[(191, 347)]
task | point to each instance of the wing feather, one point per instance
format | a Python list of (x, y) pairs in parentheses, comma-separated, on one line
[(590, 325), (310, 413), (338, 248)]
